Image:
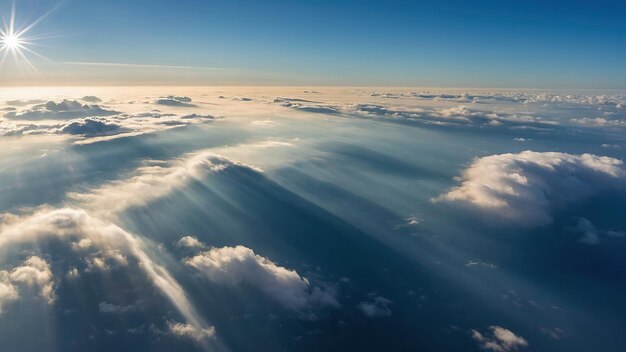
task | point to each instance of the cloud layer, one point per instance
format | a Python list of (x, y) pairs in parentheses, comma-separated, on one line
[(65, 109)]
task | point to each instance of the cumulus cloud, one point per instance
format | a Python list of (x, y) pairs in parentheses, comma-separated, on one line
[(175, 101), (189, 331), (66, 109), (72, 226), (189, 242), (235, 265), (35, 273), (91, 126), (376, 307), (499, 339), (524, 187), (105, 260)]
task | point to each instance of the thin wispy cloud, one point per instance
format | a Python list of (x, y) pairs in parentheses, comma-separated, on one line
[(147, 66)]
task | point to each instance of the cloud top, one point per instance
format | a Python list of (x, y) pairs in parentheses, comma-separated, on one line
[(65, 109), (524, 187), (235, 265)]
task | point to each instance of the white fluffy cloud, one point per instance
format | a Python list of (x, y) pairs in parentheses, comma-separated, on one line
[(189, 242), (234, 265), (524, 187), (499, 339), (110, 241), (35, 273), (190, 331)]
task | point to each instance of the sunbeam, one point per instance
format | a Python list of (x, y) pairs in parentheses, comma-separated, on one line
[(14, 41)]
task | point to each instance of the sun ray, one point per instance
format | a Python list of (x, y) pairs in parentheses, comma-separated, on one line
[(14, 43)]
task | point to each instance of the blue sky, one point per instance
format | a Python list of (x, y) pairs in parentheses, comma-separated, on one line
[(543, 44)]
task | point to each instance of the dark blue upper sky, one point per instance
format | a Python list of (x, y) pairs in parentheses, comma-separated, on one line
[(553, 44)]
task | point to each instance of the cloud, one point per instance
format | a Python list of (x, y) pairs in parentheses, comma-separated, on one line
[(91, 126), (554, 333), (377, 307), (599, 122), (34, 272), (91, 99), (189, 331), (105, 260), (520, 97), (499, 339), (475, 263), (87, 127), (8, 291), (590, 233), (66, 109), (24, 102), (306, 105), (189, 242), (175, 101), (524, 187), (235, 265), (197, 116), (153, 182), (8, 128), (459, 115), (72, 226), (110, 308)]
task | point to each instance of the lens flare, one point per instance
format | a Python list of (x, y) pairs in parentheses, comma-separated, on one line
[(14, 41), (10, 41)]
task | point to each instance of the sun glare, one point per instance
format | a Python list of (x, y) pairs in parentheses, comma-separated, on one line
[(14, 41), (10, 41)]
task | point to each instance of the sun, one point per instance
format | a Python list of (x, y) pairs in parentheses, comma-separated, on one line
[(15, 43), (11, 41)]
